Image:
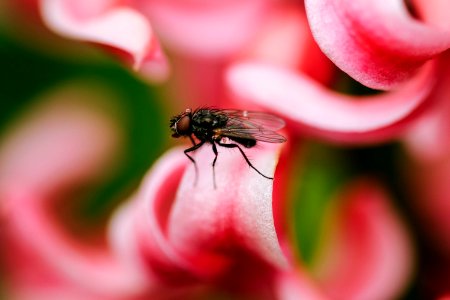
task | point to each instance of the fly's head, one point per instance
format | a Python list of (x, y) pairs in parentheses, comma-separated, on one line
[(181, 124)]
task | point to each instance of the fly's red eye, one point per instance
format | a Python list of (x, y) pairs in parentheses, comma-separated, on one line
[(183, 125)]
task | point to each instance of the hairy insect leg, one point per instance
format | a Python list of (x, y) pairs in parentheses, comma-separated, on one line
[(193, 148), (245, 157), (214, 148)]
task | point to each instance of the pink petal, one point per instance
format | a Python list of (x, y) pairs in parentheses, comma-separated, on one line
[(285, 39), (110, 24), (434, 12), (282, 38), (313, 108), (294, 285), (429, 182), (377, 43), (238, 212), (190, 236), (428, 143), (139, 227), (95, 271), (370, 255), (205, 28), (428, 139)]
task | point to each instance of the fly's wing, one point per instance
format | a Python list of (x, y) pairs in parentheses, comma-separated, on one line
[(259, 134), (260, 128), (254, 119)]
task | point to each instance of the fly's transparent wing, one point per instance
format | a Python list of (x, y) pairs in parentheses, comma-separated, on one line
[(252, 125), (259, 134), (253, 119)]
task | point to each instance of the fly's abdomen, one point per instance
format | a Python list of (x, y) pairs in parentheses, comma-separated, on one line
[(246, 142)]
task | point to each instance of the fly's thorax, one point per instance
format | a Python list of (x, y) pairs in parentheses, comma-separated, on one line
[(208, 119)]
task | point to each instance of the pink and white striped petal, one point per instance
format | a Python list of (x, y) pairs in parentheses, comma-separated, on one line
[(111, 24), (377, 43), (191, 235), (238, 212)]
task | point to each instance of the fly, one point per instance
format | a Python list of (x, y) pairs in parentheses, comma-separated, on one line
[(243, 128)]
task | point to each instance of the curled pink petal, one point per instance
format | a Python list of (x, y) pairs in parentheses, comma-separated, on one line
[(313, 108), (190, 236), (110, 24), (139, 228), (370, 255), (238, 211), (377, 43)]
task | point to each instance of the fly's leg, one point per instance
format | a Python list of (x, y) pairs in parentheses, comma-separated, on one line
[(245, 157), (193, 148), (192, 140), (214, 163)]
